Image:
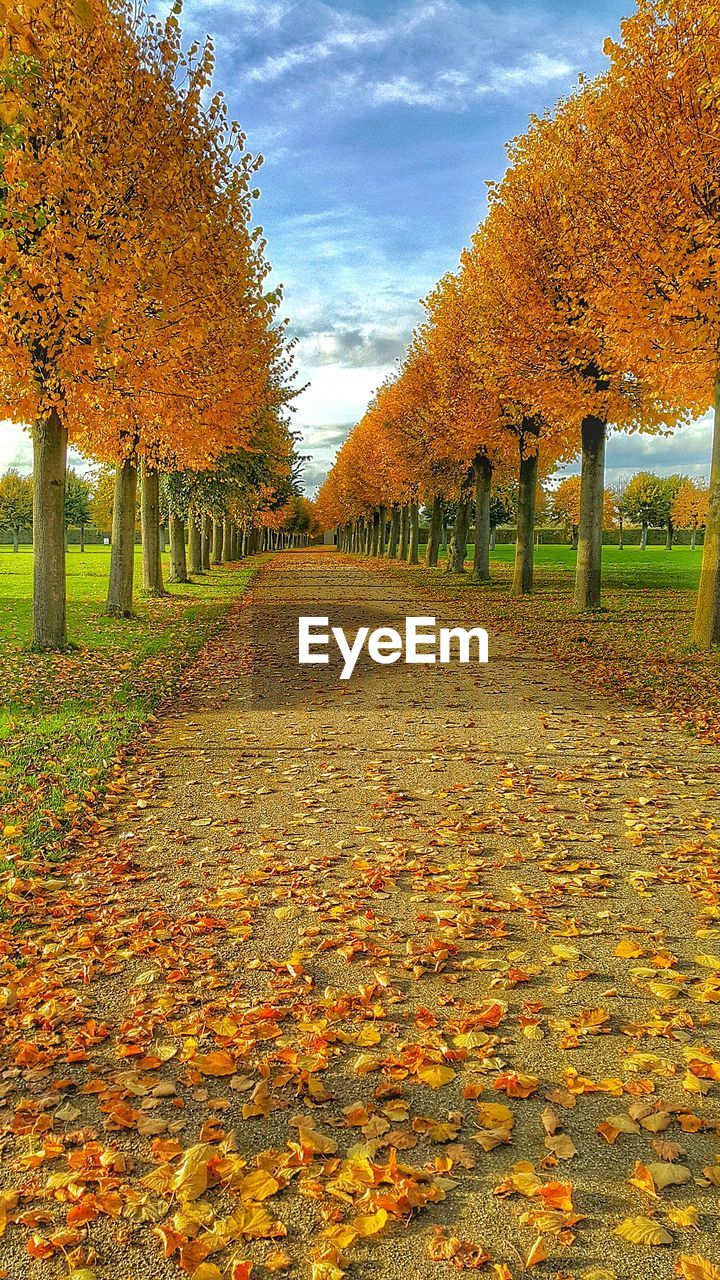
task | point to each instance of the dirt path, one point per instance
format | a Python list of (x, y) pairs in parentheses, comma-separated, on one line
[(355, 951)]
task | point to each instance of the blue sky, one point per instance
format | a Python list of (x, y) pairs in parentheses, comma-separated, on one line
[(381, 121)]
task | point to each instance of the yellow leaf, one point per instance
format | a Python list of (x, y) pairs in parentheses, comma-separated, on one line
[(217, 1063), (435, 1074), (207, 1271), (258, 1185), (628, 950), (686, 1217), (668, 1175), (491, 1115), (190, 1177), (642, 1231), (278, 1261), (370, 1224), (693, 1267)]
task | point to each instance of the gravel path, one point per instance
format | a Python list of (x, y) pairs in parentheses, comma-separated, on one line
[(362, 967)]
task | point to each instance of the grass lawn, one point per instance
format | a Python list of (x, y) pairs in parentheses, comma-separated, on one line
[(629, 570), (66, 717), (637, 646)]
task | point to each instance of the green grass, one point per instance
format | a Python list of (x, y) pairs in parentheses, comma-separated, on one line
[(66, 718), (628, 570)]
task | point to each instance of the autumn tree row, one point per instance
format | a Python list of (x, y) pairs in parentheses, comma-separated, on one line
[(135, 316), (589, 296)]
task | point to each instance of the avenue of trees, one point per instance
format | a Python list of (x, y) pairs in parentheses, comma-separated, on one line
[(135, 314), (589, 297)]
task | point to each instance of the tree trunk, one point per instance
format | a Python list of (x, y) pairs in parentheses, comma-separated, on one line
[(194, 543), (50, 464), (375, 536), (482, 468), (435, 532), (588, 571), (643, 538), (122, 538), (207, 533), (217, 544), (150, 526), (414, 541), (404, 531), (621, 542), (706, 628), (394, 539), (669, 534), (382, 515), (574, 538), (522, 583), (493, 537), (16, 540), (693, 539), (178, 559), (457, 551), (227, 542), (82, 537)]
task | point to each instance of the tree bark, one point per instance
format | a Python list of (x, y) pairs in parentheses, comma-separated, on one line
[(394, 539), (49, 468), (522, 583), (178, 558), (693, 539), (194, 550), (375, 543), (493, 537), (122, 548), (621, 541), (482, 468), (150, 526), (382, 516), (574, 538), (404, 531), (414, 540), (435, 532), (206, 540), (227, 542), (669, 534), (217, 545), (82, 537), (588, 571), (457, 550), (16, 540), (643, 538), (706, 628)]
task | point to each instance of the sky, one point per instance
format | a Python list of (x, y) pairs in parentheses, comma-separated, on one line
[(380, 122)]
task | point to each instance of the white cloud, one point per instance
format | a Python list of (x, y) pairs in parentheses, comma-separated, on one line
[(306, 55), (15, 448), (456, 90), (337, 393)]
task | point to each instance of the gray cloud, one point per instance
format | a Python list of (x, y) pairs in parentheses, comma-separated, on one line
[(687, 451), (355, 348)]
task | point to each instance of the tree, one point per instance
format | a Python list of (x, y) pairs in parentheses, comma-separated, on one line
[(15, 504), (134, 312), (659, 126), (671, 487), (78, 503), (565, 506), (690, 508), (646, 502), (102, 499)]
